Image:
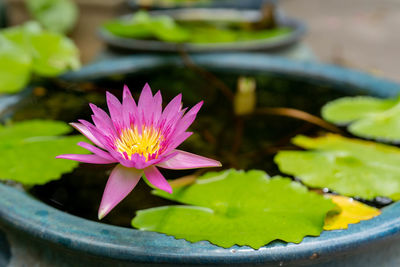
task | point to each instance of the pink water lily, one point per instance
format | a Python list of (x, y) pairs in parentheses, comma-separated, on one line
[(139, 138)]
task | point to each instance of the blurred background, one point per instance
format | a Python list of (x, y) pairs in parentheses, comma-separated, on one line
[(361, 34)]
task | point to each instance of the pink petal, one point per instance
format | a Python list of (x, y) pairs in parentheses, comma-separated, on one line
[(172, 109), (129, 108), (154, 176), (157, 106), (159, 159), (115, 108), (189, 117), (105, 140), (185, 160), (137, 161), (94, 159), (176, 141), (101, 119), (121, 182), (168, 128), (84, 130), (146, 97), (146, 106), (194, 110), (126, 93), (103, 126), (97, 151)]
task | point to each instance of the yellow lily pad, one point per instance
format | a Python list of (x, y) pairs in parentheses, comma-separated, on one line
[(351, 212)]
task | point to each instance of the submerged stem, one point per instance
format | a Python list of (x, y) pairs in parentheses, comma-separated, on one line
[(219, 84), (298, 114), (239, 127), (186, 180)]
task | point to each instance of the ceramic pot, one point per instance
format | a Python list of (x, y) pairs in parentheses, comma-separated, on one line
[(33, 232)]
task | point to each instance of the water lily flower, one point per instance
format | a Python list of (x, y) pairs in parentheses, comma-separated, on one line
[(140, 138)]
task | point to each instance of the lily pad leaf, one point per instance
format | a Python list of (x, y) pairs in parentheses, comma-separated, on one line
[(351, 212), (347, 166), (164, 28), (368, 117), (51, 53), (54, 15), (238, 208), (15, 67), (28, 150), (142, 25)]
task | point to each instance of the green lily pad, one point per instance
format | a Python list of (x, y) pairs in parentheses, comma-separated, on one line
[(28, 150), (239, 208), (15, 67), (51, 53), (28, 49), (367, 117), (54, 15), (142, 25), (347, 166), (171, 3)]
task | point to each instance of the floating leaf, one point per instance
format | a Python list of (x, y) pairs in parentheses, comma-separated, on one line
[(351, 211), (238, 208), (142, 25), (28, 48), (52, 53), (28, 150), (368, 116), (164, 28), (171, 3), (55, 15), (350, 167), (15, 67)]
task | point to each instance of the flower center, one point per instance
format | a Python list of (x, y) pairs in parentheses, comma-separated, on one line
[(147, 143)]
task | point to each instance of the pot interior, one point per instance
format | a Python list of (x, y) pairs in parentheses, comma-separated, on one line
[(216, 129)]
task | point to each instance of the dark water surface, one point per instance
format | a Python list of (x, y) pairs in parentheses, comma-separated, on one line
[(215, 130)]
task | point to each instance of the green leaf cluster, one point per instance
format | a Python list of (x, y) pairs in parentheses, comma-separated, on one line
[(239, 208), (28, 150), (366, 116), (143, 26), (15, 66), (54, 15), (164, 28), (27, 50), (349, 167), (172, 3)]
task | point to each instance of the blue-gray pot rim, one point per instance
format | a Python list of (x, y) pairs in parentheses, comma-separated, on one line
[(20, 211), (238, 4)]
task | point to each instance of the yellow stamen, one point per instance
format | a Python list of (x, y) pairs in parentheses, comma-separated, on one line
[(145, 143)]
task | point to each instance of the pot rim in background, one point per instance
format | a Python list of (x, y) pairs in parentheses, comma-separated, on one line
[(298, 31), (239, 4)]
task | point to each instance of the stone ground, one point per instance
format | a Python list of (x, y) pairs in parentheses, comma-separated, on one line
[(361, 34)]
